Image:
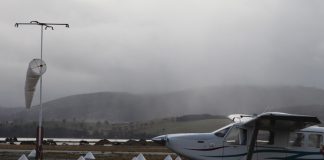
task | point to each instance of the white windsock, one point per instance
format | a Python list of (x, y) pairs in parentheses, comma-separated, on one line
[(36, 69), (89, 155), (32, 154), (178, 158), (140, 157), (81, 158), (23, 157), (168, 157)]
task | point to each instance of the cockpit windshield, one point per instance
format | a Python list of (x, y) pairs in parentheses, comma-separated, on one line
[(222, 131)]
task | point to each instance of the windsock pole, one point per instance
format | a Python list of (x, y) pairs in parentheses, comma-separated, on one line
[(40, 129)]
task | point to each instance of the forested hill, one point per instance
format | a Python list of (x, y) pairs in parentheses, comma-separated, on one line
[(122, 107)]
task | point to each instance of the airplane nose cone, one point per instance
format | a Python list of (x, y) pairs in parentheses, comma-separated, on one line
[(160, 139)]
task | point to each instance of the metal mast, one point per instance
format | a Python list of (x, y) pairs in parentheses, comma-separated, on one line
[(40, 129)]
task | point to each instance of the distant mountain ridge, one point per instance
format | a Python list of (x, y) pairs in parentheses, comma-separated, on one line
[(121, 107)]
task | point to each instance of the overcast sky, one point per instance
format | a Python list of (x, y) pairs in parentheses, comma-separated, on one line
[(145, 46)]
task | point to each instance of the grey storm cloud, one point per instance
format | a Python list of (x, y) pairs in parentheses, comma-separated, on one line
[(161, 45)]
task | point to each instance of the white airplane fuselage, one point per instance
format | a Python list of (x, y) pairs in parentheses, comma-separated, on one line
[(232, 143)]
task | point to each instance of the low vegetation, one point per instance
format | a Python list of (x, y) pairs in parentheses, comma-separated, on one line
[(104, 129)]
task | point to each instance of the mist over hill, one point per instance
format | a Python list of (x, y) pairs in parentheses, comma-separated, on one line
[(122, 107)]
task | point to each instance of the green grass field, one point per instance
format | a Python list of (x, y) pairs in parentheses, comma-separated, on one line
[(168, 127)]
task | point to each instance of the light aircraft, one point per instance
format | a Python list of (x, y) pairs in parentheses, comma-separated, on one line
[(270, 135)]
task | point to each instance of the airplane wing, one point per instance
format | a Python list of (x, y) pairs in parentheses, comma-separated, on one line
[(282, 121), (239, 117)]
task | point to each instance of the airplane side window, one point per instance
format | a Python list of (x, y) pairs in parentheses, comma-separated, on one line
[(265, 137), (233, 136), (237, 136), (314, 140), (243, 136), (271, 138), (296, 139), (222, 133)]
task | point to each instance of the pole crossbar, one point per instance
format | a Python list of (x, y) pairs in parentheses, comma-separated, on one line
[(43, 24)]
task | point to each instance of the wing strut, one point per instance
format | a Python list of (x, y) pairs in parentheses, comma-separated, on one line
[(253, 141)]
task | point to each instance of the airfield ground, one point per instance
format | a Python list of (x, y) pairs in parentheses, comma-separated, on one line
[(13, 152), (118, 152)]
